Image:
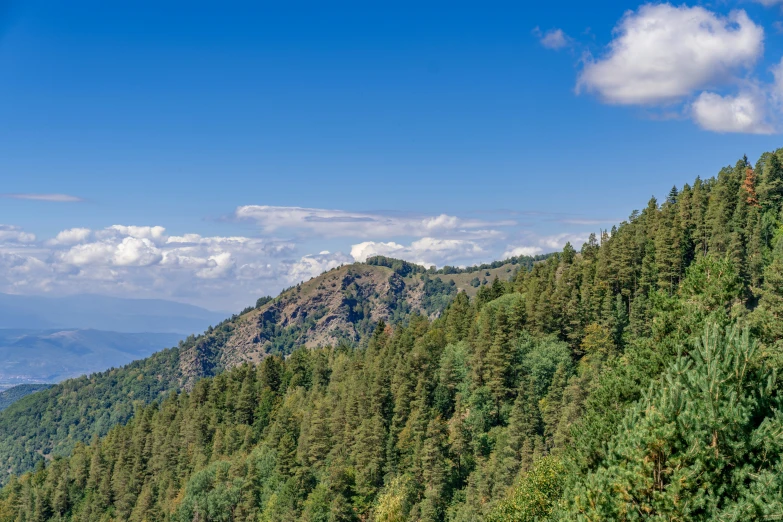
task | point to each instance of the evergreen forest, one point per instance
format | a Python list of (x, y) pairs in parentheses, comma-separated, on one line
[(634, 377)]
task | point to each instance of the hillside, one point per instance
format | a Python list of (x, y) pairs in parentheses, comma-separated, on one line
[(13, 394), (635, 378), (341, 306)]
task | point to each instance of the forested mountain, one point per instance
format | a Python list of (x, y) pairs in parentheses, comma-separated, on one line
[(635, 378), (13, 394), (340, 306)]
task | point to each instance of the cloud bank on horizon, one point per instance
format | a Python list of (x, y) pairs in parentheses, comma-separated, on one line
[(672, 61), (686, 62), (228, 272)]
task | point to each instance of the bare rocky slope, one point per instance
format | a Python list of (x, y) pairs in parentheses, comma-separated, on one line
[(339, 306)]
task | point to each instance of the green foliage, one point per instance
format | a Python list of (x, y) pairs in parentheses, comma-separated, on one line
[(437, 294), (705, 442), (53, 421), (585, 388), (402, 268), (535, 495), (261, 301), (13, 394)]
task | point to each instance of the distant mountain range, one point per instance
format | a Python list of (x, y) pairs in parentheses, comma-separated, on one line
[(48, 339), (48, 356), (109, 314)]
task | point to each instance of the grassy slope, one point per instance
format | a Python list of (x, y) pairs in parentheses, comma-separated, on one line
[(504, 273)]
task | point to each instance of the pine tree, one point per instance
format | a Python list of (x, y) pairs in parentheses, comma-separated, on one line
[(771, 302), (246, 403), (436, 470), (498, 360), (771, 190)]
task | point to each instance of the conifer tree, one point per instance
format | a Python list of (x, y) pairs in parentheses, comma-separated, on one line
[(771, 190)]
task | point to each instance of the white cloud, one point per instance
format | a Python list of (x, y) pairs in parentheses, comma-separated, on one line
[(153, 233), (776, 90), (663, 53), (744, 113), (558, 241), (446, 246), (71, 236), (426, 251), (23, 273), (13, 234), (219, 265), (522, 251), (88, 254), (133, 251), (221, 272), (553, 39), (341, 223), (143, 261), (58, 198), (363, 251), (770, 3), (313, 265)]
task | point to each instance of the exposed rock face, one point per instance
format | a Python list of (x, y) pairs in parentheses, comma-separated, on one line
[(338, 306)]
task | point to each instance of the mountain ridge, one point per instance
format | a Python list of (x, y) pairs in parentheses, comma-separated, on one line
[(637, 375), (313, 313), (101, 312)]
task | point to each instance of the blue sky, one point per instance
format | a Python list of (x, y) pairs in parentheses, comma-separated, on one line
[(443, 133)]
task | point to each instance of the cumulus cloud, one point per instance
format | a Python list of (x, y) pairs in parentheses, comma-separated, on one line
[(58, 198), (553, 39), (134, 251), (363, 251), (426, 251), (558, 241), (229, 272), (13, 234), (663, 53), (341, 223), (19, 273), (219, 265), (71, 236), (522, 251), (534, 244), (88, 254), (144, 261), (156, 234), (745, 113), (692, 62), (313, 265)]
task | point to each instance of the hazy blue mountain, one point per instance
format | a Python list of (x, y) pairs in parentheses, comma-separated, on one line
[(29, 356), (110, 314)]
